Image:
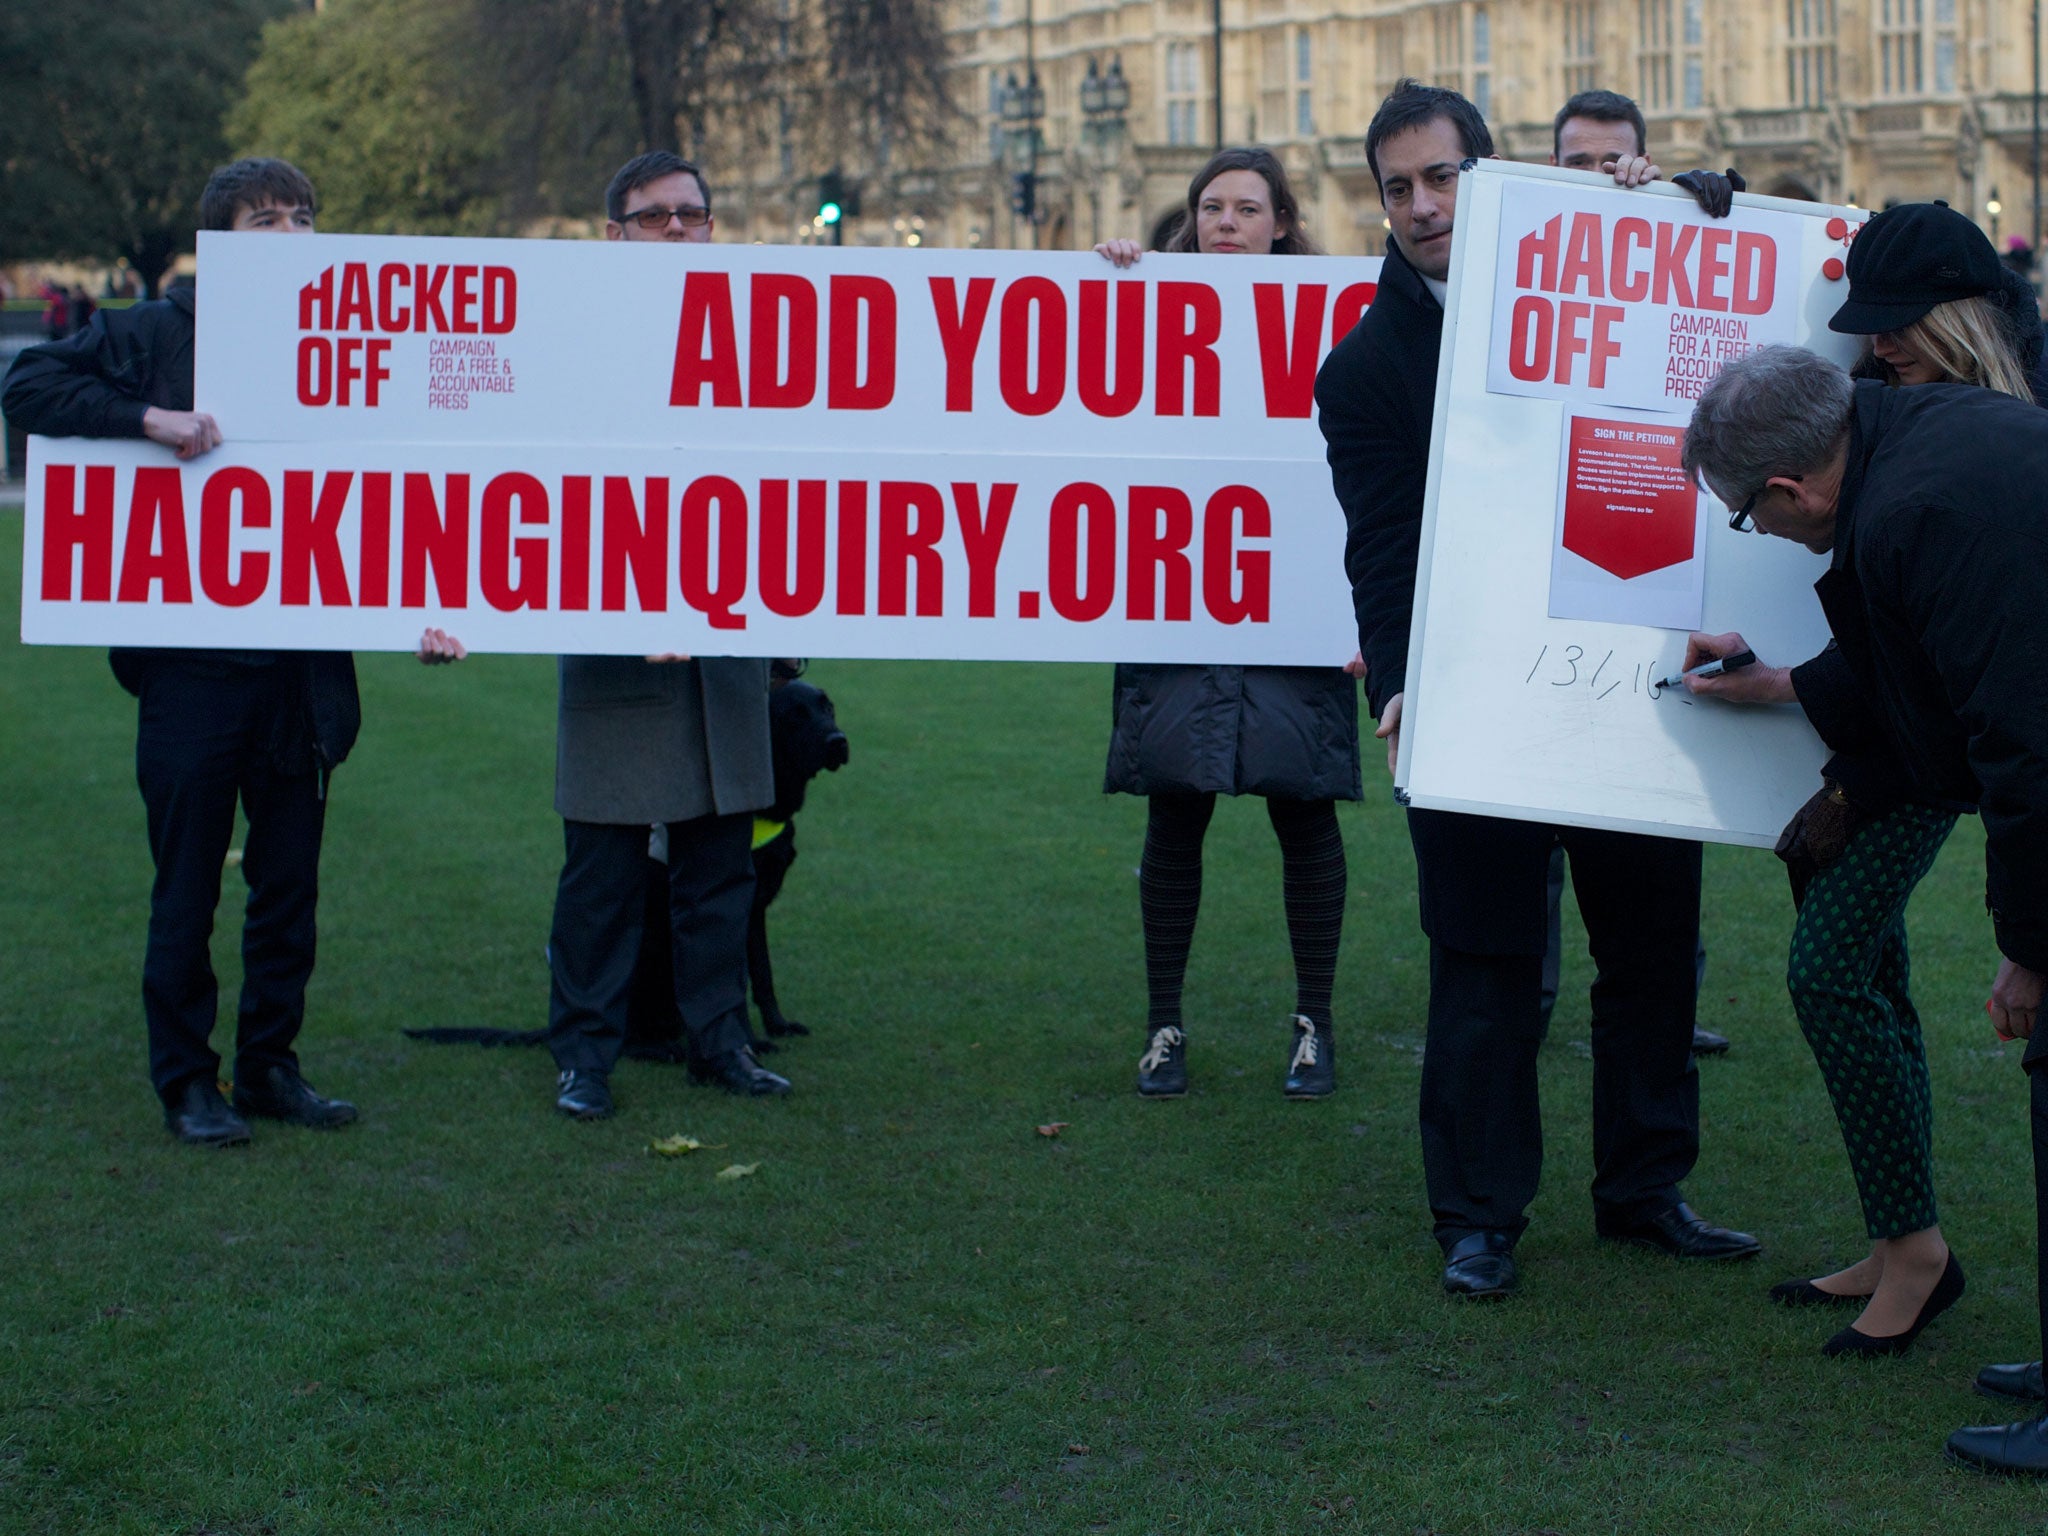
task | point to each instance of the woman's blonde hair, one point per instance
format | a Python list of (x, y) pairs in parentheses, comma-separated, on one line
[(1966, 340)]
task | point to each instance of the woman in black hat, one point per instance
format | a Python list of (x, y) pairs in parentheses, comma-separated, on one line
[(1939, 306), (1927, 288)]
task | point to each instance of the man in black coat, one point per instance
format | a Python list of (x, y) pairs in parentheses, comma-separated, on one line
[(1481, 879), (262, 727), (1933, 502)]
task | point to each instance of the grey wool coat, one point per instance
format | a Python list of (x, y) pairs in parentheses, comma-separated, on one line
[(1290, 733), (639, 741)]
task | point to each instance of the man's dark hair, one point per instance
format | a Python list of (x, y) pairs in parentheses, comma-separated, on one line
[(1411, 104), (1600, 107), (253, 183), (642, 169)]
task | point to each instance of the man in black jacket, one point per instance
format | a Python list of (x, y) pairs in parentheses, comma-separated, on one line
[(1933, 502), (264, 727), (1481, 879)]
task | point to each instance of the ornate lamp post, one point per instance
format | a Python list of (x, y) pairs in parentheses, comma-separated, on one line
[(1022, 108), (1105, 98)]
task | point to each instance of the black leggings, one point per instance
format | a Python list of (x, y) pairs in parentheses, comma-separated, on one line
[(1170, 894)]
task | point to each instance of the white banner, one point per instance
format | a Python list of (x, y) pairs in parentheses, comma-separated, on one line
[(553, 446)]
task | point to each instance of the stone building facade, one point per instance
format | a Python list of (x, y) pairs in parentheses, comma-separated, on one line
[(1861, 101)]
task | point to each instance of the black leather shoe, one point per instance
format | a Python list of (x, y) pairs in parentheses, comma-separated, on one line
[(1706, 1043), (1948, 1290), (738, 1072), (279, 1093), (2020, 1448), (584, 1095), (1312, 1068), (1684, 1234), (1481, 1267), (2017, 1383), (1163, 1069), (201, 1117)]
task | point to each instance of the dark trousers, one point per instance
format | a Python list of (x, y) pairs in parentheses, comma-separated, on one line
[(1553, 952), (1482, 1132), (209, 735), (600, 911)]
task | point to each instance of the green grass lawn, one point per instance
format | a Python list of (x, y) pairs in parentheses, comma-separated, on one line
[(466, 1314)]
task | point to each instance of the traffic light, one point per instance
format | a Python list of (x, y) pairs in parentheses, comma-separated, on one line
[(1024, 195), (831, 203)]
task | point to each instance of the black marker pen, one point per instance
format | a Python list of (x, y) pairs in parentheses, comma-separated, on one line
[(1714, 668)]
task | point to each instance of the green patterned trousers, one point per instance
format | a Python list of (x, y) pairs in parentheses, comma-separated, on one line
[(1847, 976)]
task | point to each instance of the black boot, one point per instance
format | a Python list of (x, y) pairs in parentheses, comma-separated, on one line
[(200, 1117), (279, 1093)]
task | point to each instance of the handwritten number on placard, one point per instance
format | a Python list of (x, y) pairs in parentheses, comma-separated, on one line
[(1566, 672)]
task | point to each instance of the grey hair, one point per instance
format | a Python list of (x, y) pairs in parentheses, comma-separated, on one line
[(1778, 411)]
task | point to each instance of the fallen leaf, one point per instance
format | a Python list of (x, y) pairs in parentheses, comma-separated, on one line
[(682, 1146), (1077, 1449), (1054, 1129), (738, 1171)]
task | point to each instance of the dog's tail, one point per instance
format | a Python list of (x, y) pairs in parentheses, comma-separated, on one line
[(478, 1036)]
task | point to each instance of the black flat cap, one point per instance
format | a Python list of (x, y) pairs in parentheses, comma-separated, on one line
[(1908, 259)]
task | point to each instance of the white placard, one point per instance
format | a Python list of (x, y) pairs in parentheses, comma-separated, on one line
[(1511, 711)]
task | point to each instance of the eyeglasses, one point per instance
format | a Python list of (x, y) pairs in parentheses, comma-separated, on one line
[(1740, 520), (657, 218)]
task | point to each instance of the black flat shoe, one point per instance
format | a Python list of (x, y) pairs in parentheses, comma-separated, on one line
[(1804, 1293), (279, 1093), (2014, 1449), (1706, 1043), (201, 1117), (2012, 1383), (1481, 1267), (1684, 1234), (1948, 1290)]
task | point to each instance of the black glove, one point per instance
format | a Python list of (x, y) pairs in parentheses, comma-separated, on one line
[(1818, 834), (1716, 193)]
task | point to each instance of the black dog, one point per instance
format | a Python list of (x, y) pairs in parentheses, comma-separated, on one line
[(806, 741)]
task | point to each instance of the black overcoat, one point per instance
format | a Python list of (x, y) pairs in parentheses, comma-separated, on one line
[(1287, 732), (1937, 595)]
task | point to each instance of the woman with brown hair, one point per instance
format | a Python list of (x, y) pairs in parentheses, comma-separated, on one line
[(1182, 735)]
